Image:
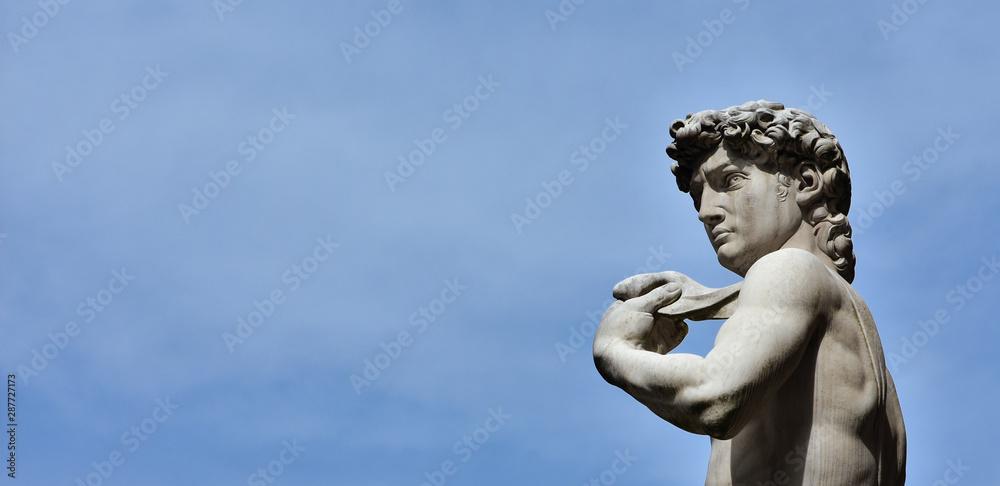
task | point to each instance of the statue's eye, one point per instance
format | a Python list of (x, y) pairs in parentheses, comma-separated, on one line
[(732, 180)]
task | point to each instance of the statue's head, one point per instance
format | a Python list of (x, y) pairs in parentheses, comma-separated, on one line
[(727, 158)]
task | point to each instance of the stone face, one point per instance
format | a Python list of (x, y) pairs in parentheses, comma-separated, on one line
[(795, 390)]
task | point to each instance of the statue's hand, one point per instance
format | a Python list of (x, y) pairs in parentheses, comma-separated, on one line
[(666, 335), (633, 319), (697, 302), (637, 285)]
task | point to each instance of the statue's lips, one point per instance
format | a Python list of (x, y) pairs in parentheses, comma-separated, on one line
[(719, 234)]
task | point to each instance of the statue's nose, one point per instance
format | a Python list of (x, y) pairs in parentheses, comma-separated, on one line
[(709, 211)]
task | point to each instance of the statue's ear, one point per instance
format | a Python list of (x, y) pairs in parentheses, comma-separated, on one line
[(808, 183)]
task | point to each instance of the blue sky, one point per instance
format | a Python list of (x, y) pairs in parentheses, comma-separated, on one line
[(131, 288)]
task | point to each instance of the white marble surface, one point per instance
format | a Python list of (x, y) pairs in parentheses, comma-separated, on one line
[(795, 390)]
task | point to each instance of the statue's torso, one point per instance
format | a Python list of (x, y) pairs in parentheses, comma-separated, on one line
[(836, 420)]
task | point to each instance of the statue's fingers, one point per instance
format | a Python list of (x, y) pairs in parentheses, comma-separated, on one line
[(666, 335), (637, 285), (656, 298)]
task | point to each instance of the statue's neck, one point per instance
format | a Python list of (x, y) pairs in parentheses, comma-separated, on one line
[(805, 239)]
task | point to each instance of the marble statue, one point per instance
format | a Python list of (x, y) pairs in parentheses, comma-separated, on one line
[(795, 390)]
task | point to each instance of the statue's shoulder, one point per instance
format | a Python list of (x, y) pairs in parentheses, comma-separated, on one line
[(787, 260), (792, 272)]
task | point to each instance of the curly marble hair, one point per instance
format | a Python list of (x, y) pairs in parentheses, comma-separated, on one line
[(779, 140)]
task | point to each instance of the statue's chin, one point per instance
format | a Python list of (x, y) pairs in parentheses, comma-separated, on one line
[(735, 269), (737, 264)]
